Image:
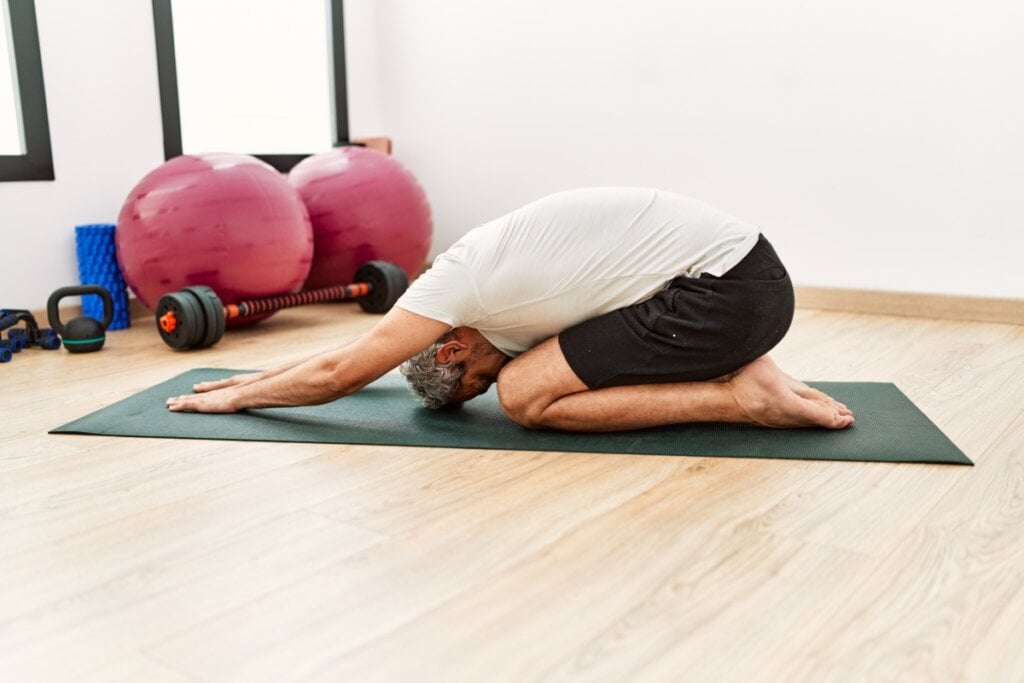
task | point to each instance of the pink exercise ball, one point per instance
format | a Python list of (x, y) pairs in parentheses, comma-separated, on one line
[(228, 221), (365, 206)]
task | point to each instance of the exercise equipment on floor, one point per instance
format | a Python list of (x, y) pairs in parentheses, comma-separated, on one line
[(97, 265), (21, 338), (81, 334), (228, 221), (364, 206), (195, 317)]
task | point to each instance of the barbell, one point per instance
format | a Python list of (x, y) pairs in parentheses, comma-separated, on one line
[(195, 317)]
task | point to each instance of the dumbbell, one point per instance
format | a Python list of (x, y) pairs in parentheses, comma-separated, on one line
[(195, 317), (44, 337), (20, 338), (17, 340)]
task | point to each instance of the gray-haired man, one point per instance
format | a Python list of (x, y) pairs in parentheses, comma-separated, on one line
[(596, 309)]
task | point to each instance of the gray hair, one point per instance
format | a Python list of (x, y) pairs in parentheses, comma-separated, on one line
[(432, 381)]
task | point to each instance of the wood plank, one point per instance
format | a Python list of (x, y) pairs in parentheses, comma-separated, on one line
[(352, 601), (138, 558), (155, 596), (130, 668), (937, 598)]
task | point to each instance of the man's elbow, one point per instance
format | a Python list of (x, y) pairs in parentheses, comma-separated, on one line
[(338, 378)]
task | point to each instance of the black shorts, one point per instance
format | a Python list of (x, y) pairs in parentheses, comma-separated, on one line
[(695, 330)]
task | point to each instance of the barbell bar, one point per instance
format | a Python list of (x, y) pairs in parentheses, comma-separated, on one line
[(195, 317)]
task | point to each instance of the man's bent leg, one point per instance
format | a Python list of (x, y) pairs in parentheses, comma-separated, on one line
[(539, 390)]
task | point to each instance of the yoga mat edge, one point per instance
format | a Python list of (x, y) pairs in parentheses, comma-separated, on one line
[(889, 427)]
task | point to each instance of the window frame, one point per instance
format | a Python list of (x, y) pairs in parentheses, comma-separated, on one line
[(37, 161), (167, 74)]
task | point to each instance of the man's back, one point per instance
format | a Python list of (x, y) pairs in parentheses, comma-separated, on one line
[(573, 255)]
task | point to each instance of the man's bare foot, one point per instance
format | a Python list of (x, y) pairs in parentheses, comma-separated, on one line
[(810, 393), (771, 398)]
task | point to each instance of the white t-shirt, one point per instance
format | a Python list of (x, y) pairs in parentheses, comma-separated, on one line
[(572, 256)]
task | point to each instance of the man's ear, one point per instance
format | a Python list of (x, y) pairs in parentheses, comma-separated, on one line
[(451, 351)]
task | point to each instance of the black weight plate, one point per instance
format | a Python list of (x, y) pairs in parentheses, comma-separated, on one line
[(389, 283), (190, 323), (213, 312), (174, 338), (200, 328)]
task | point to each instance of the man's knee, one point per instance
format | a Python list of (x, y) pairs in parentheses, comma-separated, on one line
[(530, 384), (519, 403)]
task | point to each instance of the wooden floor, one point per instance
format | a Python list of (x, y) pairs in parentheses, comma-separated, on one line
[(171, 560)]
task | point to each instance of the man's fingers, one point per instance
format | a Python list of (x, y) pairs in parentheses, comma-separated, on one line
[(203, 387), (197, 404), (211, 402), (178, 404)]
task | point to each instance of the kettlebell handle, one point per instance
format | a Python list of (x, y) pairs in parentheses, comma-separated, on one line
[(53, 313)]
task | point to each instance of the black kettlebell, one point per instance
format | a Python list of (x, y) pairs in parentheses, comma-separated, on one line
[(82, 334)]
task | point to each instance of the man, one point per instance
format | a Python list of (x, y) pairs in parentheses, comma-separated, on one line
[(594, 310)]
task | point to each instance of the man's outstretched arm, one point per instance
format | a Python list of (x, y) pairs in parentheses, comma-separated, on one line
[(329, 376), (250, 377)]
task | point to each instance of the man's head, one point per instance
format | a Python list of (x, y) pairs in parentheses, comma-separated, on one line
[(460, 365)]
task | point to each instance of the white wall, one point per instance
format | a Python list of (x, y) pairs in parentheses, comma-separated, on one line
[(99, 67), (876, 143)]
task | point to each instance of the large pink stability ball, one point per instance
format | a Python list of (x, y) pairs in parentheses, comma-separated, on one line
[(365, 206), (228, 221)]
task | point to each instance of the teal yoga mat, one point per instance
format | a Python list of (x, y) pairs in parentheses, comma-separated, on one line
[(889, 427)]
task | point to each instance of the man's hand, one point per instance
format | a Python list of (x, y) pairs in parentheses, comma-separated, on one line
[(250, 377), (217, 396), (210, 401)]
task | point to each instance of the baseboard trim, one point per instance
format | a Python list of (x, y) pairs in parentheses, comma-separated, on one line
[(909, 304)]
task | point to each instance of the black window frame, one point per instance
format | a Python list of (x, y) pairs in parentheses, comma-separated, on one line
[(167, 74), (37, 161)]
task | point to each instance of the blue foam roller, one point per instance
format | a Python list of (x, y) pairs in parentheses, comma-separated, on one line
[(97, 265)]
